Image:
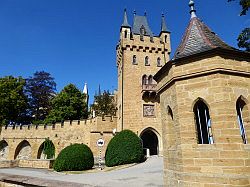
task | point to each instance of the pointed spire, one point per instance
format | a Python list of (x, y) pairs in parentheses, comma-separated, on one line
[(192, 9), (99, 90), (145, 13), (163, 24), (125, 19), (85, 89)]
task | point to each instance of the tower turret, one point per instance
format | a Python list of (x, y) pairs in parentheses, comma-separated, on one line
[(85, 91), (125, 31), (165, 33)]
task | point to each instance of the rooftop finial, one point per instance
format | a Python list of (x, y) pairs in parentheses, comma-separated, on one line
[(163, 23), (125, 19), (145, 13), (192, 9), (134, 12)]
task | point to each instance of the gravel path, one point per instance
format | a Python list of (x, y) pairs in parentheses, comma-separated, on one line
[(149, 173)]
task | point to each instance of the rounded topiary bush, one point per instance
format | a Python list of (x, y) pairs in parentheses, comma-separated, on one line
[(124, 148), (75, 157)]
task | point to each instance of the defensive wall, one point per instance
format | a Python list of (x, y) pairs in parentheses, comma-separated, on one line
[(26, 142)]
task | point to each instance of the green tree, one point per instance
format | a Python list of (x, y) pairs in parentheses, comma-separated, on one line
[(40, 89), (244, 37), (13, 102), (69, 104), (104, 104)]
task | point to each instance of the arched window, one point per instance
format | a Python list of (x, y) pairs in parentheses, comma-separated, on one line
[(240, 104), (142, 30), (125, 34), (170, 113), (144, 79), (203, 123), (166, 37), (146, 61), (158, 61), (134, 62), (150, 79)]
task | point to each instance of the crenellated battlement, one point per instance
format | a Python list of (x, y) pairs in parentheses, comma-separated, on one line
[(92, 123)]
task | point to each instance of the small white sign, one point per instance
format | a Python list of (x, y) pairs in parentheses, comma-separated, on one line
[(100, 142)]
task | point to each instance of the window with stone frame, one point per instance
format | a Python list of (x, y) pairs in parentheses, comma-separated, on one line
[(144, 80), (147, 61), (203, 123), (241, 113), (134, 61), (159, 62), (150, 79), (148, 110)]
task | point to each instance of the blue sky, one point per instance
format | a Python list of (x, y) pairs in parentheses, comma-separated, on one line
[(75, 40)]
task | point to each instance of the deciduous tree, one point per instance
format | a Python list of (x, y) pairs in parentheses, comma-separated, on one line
[(13, 102), (69, 104), (104, 104), (244, 37), (40, 89)]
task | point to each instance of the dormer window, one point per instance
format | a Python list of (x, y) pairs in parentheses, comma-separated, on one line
[(142, 30)]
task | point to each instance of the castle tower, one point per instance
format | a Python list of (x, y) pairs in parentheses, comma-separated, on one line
[(205, 100), (140, 54), (85, 91)]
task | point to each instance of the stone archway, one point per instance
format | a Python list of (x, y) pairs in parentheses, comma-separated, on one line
[(4, 150), (150, 141), (23, 150), (41, 154)]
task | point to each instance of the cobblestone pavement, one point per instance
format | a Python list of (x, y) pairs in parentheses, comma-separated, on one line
[(149, 173)]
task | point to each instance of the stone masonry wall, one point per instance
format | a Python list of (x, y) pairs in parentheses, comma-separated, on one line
[(219, 82), (61, 135)]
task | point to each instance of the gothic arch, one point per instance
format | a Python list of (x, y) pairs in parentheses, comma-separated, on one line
[(23, 150), (199, 99), (203, 122), (243, 117), (144, 80), (150, 140), (40, 152), (4, 150), (150, 79)]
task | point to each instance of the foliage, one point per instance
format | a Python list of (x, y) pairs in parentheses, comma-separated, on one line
[(245, 4), (40, 89), (48, 148), (13, 102), (124, 148), (104, 104), (244, 37), (69, 104), (75, 157)]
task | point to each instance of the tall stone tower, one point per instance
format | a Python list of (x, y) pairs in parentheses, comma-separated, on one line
[(140, 54)]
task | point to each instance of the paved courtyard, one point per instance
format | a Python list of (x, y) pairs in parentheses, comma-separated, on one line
[(149, 173)]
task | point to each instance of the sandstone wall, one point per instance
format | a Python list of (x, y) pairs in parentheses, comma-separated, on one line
[(219, 82), (24, 142)]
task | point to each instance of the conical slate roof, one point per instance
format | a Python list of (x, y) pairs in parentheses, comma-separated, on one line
[(163, 24), (198, 38), (125, 19)]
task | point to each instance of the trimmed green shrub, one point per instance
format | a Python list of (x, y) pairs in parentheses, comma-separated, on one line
[(124, 148), (76, 157)]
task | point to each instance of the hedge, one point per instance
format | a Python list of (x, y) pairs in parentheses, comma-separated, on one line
[(124, 148), (76, 157)]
